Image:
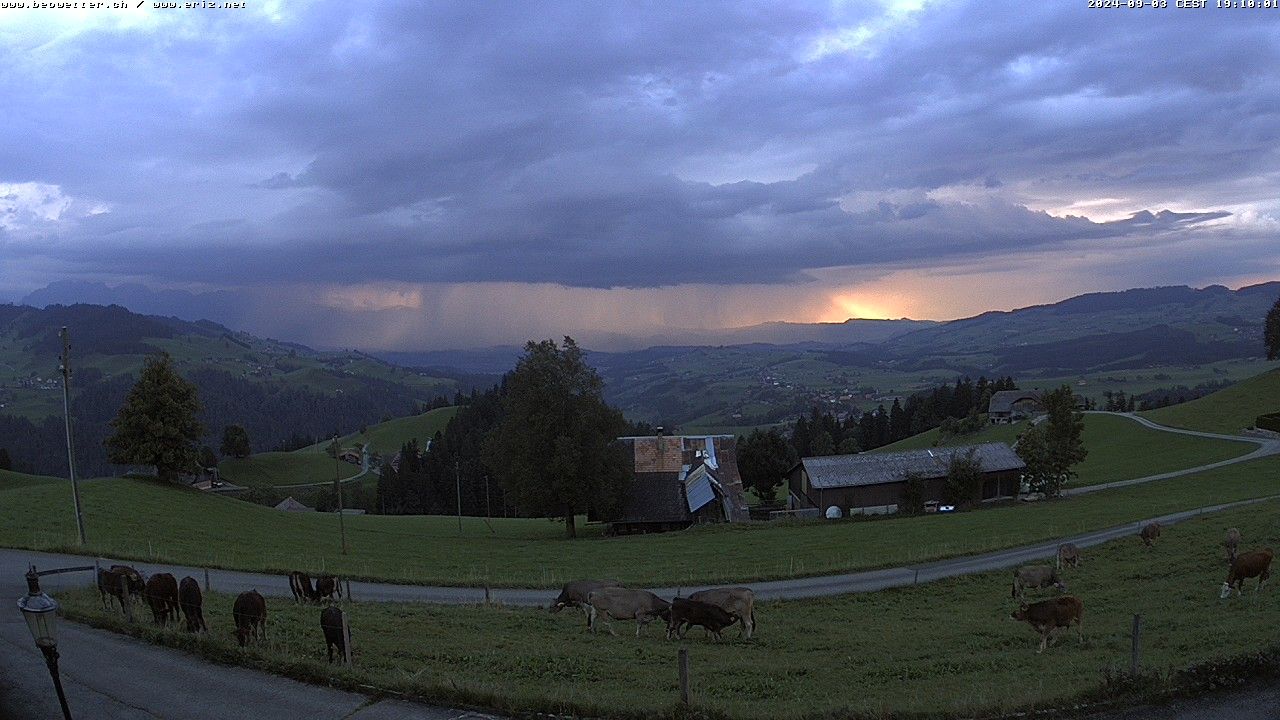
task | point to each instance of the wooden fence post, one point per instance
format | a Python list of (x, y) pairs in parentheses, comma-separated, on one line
[(684, 676), (127, 599), (206, 579), (1135, 653), (346, 640), (486, 594), (348, 582)]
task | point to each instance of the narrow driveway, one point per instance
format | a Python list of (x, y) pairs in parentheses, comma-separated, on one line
[(1266, 447)]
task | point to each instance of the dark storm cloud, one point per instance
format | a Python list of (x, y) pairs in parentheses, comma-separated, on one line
[(598, 144)]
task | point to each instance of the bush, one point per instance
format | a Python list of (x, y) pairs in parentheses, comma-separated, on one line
[(1270, 421)]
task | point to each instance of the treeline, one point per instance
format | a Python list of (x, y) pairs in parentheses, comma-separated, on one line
[(957, 405), (276, 415)]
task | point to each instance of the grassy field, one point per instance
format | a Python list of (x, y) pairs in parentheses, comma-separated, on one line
[(387, 437), (945, 647), (1119, 448), (145, 520), (10, 480), (1228, 410), (264, 470)]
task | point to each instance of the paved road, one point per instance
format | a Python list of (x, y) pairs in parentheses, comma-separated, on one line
[(1266, 447), (116, 677), (1260, 702)]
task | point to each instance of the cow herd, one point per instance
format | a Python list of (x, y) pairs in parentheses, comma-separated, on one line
[(166, 598), (1065, 611), (713, 610)]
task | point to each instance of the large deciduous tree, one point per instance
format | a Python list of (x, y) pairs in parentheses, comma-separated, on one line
[(1271, 332), (235, 442), (554, 452), (1053, 447), (764, 457), (157, 424)]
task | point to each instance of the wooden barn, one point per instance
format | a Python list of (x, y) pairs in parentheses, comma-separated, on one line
[(678, 481), (872, 483), (1009, 406)]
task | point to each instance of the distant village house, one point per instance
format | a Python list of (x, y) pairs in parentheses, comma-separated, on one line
[(1010, 406)]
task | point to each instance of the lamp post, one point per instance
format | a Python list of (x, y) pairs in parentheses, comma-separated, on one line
[(41, 613)]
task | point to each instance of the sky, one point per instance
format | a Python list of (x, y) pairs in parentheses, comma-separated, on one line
[(411, 176)]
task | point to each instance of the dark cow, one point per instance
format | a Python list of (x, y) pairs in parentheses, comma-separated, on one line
[(1035, 576), (1068, 554), (300, 585), (327, 588), (574, 595), (686, 613), (161, 595), (1150, 533), (331, 626), (1232, 544), (739, 601), (616, 603), (116, 582), (1048, 615), (250, 614), (1253, 564), (192, 602)]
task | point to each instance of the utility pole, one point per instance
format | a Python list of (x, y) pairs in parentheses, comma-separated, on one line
[(337, 485), (66, 414), (457, 491)]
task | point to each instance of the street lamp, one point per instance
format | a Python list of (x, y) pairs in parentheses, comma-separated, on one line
[(41, 613)]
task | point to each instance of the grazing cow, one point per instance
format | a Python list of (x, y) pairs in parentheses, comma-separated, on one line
[(192, 602), (250, 614), (331, 626), (739, 601), (1255, 563), (574, 594), (1035, 576), (1048, 615), (685, 613), (1150, 533), (1232, 543), (616, 603), (327, 587), (161, 594), (300, 585), (1068, 554), (118, 580)]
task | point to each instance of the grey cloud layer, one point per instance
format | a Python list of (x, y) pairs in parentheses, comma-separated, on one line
[(582, 143)]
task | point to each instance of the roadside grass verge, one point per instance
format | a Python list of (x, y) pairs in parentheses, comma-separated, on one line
[(944, 648), (147, 520)]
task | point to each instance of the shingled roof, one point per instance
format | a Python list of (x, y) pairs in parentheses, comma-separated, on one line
[(834, 471), (1003, 401)]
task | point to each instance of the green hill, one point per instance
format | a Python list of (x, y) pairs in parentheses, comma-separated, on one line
[(265, 470), (1119, 448), (1227, 411), (386, 438), (10, 480)]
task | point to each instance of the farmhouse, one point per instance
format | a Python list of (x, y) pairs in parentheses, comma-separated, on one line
[(290, 505), (1009, 406), (872, 483), (678, 481)]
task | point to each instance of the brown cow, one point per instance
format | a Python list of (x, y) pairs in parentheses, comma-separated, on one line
[(1068, 554), (192, 602), (616, 603), (118, 581), (327, 587), (739, 601), (1255, 563), (1048, 615), (331, 626), (1035, 576), (300, 584), (1150, 533), (250, 614), (161, 595), (574, 594), (1232, 543), (685, 613)]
